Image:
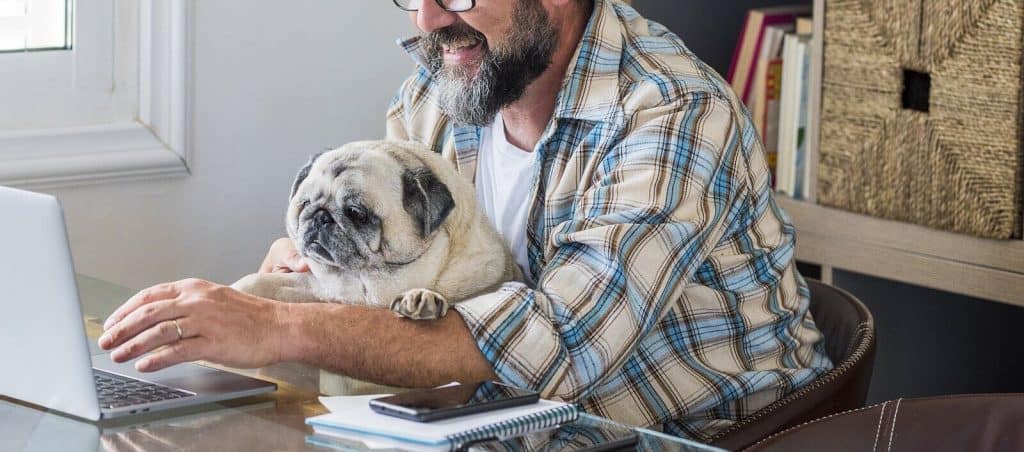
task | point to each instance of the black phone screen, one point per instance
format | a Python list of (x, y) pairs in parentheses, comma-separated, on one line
[(436, 403)]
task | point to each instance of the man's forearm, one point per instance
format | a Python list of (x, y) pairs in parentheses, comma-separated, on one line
[(377, 346)]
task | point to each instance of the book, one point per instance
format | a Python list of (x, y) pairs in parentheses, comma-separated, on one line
[(744, 58), (764, 102), (804, 26), (351, 419), (792, 153), (787, 113), (768, 66), (767, 104), (802, 169)]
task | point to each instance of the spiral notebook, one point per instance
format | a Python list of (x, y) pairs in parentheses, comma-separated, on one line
[(351, 418)]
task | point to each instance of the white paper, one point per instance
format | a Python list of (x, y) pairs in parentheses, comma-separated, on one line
[(354, 413)]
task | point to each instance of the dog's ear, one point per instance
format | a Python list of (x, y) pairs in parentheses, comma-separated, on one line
[(426, 198), (303, 173)]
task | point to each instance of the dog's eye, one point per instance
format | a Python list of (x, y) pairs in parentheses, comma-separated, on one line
[(357, 215), (303, 205)]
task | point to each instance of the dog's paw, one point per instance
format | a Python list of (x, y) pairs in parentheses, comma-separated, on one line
[(420, 304)]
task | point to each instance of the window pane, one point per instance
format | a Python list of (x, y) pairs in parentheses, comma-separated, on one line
[(33, 25)]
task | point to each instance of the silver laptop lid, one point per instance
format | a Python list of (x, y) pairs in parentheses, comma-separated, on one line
[(42, 335)]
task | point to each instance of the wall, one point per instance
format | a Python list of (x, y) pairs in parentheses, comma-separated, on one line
[(929, 342), (274, 83)]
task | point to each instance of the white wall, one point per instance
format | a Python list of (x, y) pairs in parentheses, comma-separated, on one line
[(274, 82)]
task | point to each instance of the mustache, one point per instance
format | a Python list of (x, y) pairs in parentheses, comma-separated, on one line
[(435, 40)]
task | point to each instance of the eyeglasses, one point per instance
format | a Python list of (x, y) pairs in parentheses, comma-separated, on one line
[(454, 6)]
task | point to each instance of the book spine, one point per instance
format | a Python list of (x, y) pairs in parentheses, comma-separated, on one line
[(762, 32), (748, 83), (739, 49), (515, 427)]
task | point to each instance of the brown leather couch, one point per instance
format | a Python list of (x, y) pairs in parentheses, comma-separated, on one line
[(849, 331), (993, 422)]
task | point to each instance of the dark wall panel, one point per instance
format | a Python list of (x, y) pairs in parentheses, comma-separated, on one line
[(709, 28), (932, 342)]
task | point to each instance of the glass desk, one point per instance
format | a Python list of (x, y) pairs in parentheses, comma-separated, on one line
[(271, 422)]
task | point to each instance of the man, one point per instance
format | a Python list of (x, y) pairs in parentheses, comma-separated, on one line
[(631, 185)]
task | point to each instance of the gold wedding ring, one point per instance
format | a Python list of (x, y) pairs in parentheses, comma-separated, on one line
[(178, 327)]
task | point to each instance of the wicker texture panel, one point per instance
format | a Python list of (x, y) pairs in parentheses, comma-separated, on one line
[(955, 167)]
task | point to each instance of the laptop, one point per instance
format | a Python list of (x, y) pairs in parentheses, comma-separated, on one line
[(30, 430), (47, 355)]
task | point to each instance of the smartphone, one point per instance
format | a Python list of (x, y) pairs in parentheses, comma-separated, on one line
[(425, 405)]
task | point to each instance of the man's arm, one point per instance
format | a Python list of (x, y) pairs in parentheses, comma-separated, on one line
[(224, 326), (376, 345)]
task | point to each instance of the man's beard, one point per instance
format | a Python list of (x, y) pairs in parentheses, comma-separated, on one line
[(471, 95)]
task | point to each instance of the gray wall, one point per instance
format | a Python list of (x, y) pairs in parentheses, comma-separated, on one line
[(929, 342)]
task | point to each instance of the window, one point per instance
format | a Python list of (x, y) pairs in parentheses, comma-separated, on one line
[(111, 103), (34, 25)]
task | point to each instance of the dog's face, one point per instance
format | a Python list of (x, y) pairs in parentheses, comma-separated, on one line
[(366, 205)]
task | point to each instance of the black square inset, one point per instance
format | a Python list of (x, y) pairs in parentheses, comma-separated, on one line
[(917, 87)]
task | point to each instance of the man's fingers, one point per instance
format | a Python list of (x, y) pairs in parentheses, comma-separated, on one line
[(267, 266), (296, 263), (163, 333), (283, 258), (155, 293), (140, 320), (185, 350)]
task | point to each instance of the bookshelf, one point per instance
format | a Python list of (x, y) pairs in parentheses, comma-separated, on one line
[(904, 252)]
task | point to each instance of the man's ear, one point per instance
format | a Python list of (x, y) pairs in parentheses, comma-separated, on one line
[(426, 198), (303, 173)]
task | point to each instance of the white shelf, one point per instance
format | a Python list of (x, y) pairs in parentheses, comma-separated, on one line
[(977, 267)]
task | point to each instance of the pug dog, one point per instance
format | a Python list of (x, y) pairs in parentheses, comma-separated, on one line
[(387, 224)]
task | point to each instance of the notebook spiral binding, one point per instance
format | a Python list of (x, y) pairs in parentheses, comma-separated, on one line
[(515, 427)]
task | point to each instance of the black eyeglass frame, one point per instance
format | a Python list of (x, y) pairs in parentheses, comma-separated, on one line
[(440, 3)]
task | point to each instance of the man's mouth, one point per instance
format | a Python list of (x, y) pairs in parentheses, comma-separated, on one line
[(463, 50)]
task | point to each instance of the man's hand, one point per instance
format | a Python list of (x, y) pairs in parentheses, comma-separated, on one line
[(216, 323), (283, 258)]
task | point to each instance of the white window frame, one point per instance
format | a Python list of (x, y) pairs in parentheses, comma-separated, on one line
[(155, 143)]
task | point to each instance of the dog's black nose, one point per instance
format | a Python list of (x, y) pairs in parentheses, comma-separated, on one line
[(321, 217)]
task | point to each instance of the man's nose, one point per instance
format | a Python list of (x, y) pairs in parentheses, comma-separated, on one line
[(431, 17)]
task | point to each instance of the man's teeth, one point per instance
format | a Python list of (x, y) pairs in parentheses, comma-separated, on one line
[(461, 44)]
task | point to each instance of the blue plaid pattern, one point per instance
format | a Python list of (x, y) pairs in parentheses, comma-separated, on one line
[(667, 292)]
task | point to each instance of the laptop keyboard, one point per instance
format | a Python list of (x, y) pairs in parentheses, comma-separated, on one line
[(117, 391)]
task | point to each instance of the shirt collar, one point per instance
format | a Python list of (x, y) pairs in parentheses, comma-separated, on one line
[(590, 91)]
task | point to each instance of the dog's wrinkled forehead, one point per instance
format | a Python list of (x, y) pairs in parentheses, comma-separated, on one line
[(346, 171)]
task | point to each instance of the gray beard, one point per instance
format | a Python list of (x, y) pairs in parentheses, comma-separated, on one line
[(503, 76), (474, 101)]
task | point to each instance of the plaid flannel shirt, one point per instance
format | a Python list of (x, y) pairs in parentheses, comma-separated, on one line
[(667, 292)]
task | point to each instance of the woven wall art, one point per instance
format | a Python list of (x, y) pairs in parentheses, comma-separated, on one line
[(921, 112)]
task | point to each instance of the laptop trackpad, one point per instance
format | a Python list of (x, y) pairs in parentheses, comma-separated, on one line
[(190, 377), (94, 348)]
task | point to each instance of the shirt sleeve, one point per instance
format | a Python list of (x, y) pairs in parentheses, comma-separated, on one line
[(638, 232), (395, 126), (413, 115)]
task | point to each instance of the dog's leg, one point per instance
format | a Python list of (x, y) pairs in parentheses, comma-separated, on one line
[(420, 304)]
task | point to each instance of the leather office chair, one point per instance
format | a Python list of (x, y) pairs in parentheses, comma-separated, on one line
[(849, 331), (954, 423)]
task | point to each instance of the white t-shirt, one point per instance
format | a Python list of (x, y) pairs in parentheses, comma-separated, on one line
[(504, 182)]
